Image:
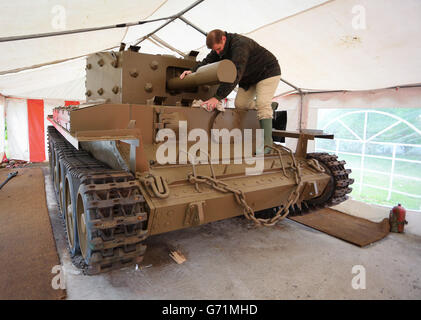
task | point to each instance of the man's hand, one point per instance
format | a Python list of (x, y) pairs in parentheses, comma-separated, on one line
[(185, 73), (210, 104)]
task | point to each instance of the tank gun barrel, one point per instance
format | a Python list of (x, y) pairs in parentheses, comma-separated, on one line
[(210, 74)]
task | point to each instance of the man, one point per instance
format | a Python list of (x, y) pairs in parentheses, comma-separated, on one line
[(258, 75)]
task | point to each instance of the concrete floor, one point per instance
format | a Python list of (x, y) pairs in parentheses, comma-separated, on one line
[(230, 260)]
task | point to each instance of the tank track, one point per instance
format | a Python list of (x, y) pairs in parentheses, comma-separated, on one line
[(337, 189), (117, 210)]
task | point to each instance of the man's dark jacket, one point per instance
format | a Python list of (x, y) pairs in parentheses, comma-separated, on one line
[(254, 63)]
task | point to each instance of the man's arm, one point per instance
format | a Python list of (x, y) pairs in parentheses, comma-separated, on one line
[(240, 56), (210, 58)]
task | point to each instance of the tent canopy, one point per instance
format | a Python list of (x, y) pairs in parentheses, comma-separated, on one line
[(321, 45)]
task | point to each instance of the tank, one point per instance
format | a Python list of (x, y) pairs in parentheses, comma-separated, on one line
[(130, 163)]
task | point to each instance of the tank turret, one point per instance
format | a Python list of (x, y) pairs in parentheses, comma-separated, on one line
[(132, 77)]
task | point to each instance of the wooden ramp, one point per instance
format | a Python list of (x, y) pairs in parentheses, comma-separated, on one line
[(358, 231), (27, 248)]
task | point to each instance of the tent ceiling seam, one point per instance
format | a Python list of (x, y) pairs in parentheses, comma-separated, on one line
[(166, 45), (308, 91), (291, 16), (159, 7), (67, 32)]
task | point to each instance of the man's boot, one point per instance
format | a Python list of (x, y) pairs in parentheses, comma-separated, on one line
[(266, 125)]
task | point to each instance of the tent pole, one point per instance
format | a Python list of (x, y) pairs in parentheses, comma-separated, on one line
[(61, 33), (169, 21), (167, 45), (121, 25), (193, 25), (291, 85), (300, 118)]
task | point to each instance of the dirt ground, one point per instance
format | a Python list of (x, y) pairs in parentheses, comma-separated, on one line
[(230, 260)]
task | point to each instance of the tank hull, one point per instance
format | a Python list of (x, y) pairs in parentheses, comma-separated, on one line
[(143, 161), (269, 189)]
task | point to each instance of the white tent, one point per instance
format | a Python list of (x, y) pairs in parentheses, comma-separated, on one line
[(321, 45), (351, 51)]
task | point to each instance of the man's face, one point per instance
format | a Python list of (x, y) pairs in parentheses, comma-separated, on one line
[(219, 47)]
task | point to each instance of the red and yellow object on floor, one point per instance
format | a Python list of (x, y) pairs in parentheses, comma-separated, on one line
[(397, 219)]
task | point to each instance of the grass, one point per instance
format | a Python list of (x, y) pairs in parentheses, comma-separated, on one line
[(401, 133), (373, 195)]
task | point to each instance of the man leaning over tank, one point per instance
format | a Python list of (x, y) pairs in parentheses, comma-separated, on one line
[(258, 75)]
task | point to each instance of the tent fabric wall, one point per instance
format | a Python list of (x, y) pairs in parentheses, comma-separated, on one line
[(17, 129), (239, 16), (36, 130), (2, 126), (316, 42), (27, 127), (322, 48), (62, 81), (18, 18), (306, 112)]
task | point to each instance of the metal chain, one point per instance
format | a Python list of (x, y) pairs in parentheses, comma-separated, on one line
[(150, 182), (241, 199)]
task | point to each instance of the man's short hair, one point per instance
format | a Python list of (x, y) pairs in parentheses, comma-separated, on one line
[(214, 37)]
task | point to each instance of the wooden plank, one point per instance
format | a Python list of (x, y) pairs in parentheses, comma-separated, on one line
[(306, 133), (355, 230), (177, 256)]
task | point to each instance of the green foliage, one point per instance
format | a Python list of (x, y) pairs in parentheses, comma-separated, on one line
[(377, 120)]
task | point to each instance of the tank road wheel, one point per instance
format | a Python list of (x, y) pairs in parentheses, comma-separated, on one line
[(69, 214), (56, 179), (84, 234), (103, 209), (61, 183), (323, 200), (338, 186), (54, 165), (51, 157), (111, 221)]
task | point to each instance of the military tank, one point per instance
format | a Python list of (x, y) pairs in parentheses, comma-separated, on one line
[(113, 189)]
